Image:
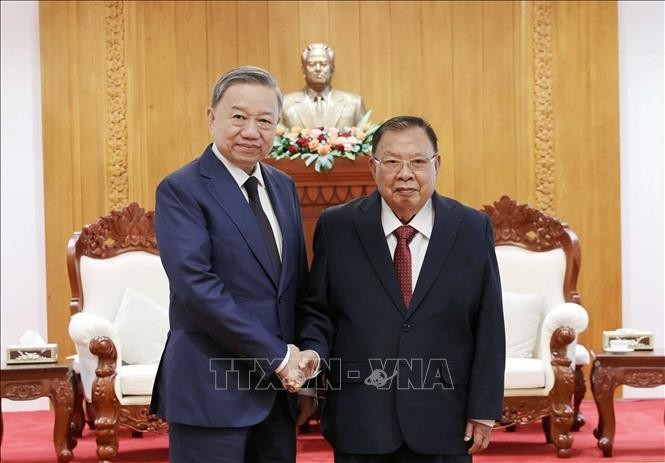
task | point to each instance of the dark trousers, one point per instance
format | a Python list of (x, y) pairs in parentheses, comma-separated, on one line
[(271, 441), (402, 455)]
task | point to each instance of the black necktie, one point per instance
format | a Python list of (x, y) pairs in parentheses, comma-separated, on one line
[(251, 185)]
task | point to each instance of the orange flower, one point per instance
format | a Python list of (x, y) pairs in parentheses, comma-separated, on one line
[(323, 149)]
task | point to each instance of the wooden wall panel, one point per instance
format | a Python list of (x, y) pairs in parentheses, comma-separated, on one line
[(284, 58), (344, 39), (498, 94), (313, 22), (468, 101), (406, 61), (523, 96), (375, 73), (252, 19), (586, 140), (437, 85)]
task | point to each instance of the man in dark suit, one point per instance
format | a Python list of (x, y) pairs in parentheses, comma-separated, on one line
[(231, 241), (404, 308)]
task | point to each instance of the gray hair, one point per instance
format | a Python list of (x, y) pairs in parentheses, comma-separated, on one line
[(318, 46), (246, 75)]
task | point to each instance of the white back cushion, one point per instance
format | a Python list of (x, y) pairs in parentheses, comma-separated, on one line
[(522, 316), (142, 325), (524, 271), (104, 281)]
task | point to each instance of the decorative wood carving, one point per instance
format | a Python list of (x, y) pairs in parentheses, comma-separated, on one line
[(523, 410), (543, 105), (320, 195), (124, 230), (24, 391), (644, 378), (27, 382), (578, 395), (519, 225), (109, 412), (562, 392), (317, 191), (638, 369), (104, 400), (116, 102), (138, 418)]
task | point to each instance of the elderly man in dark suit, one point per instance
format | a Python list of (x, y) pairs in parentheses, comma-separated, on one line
[(318, 104), (231, 241), (404, 309)]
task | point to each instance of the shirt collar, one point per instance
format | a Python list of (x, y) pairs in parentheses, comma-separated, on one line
[(239, 175), (423, 221), (312, 94)]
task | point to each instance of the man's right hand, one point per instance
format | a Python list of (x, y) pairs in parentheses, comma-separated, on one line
[(291, 376), (301, 366)]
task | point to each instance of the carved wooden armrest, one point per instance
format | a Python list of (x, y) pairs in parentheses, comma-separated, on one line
[(104, 348), (107, 406)]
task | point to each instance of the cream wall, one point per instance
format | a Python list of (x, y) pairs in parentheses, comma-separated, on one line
[(641, 120), (23, 267), (23, 256)]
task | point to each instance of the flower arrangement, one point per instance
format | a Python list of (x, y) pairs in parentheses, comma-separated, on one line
[(320, 146)]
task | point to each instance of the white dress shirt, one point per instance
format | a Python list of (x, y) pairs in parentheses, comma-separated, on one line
[(423, 222)]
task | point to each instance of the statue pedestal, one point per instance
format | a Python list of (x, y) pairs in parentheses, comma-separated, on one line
[(345, 181)]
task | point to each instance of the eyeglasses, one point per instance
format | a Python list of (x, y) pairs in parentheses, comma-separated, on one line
[(419, 164)]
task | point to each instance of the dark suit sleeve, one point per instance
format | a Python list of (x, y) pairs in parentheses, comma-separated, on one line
[(315, 323), (185, 250), (487, 373)]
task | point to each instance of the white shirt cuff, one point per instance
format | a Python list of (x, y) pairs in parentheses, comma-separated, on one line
[(281, 366), (489, 423)]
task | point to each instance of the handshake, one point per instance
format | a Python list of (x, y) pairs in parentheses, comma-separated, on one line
[(301, 366)]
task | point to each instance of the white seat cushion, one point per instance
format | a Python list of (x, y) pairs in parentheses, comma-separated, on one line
[(137, 379), (524, 373)]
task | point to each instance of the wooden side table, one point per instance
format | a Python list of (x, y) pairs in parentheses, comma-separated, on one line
[(52, 380), (608, 370)]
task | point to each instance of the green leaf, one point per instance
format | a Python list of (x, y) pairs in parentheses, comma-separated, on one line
[(309, 161), (365, 119)]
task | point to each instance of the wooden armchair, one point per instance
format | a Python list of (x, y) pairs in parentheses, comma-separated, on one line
[(539, 262), (118, 308)]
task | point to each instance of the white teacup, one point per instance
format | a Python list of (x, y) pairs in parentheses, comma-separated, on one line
[(621, 344)]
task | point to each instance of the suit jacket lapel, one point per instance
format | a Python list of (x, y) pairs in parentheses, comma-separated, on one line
[(225, 190), (337, 104), (304, 111), (369, 228), (444, 232)]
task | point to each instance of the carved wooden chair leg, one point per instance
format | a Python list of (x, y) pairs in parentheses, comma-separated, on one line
[(546, 422), (580, 390), (78, 415), (90, 415), (104, 400), (561, 395)]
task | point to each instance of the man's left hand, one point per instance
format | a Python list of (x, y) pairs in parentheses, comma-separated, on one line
[(480, 434), (306, 408)]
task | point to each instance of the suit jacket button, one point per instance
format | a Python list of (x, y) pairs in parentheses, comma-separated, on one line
[(279, 301), (406, 327)]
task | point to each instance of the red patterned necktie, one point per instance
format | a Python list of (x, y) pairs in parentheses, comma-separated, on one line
[(402, 261)]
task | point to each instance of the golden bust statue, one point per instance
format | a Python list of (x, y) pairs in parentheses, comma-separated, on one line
[(318, 105)]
